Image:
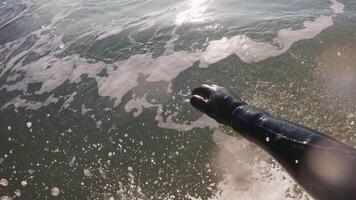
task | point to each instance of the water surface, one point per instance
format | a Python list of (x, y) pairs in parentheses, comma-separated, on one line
[(94, 94)]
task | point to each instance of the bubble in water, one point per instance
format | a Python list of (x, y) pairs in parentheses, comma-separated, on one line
[(29, 124), (87, 172), (24, 183), (18, 193), (296, 161), (55, 191), (267, 139), (9, 128), (72, 162), (4, 182)]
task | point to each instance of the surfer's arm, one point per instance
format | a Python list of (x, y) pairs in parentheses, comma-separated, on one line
[(323, 166)]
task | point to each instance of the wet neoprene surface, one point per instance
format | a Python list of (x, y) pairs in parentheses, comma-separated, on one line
[(323, 166)]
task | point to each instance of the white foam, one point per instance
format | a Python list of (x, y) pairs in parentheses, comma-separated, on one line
[(6, 198), (4, 182), (124, 78), (252, 51), (17, 193), (337, 7), (29, 105), (140, 103), (248, 173), (85, 110), (109, 31), (69, 100), (167, 67)]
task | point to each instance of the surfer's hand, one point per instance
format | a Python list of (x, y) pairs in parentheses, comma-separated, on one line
[(216, 102)]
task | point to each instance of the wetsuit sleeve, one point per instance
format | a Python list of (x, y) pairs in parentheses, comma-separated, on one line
[(259, 126), (322, 165)]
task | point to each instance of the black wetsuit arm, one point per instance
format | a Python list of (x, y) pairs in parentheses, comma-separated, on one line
[(249, 119), (325, 167)]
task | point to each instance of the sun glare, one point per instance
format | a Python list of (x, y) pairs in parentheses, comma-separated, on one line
[(195, 13)]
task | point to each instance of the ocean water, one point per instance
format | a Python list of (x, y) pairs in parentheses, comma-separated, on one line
[(94, 94)]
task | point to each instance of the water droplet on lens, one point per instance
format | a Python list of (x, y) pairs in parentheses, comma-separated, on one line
[(55, 191), (24, 183), (18, 193)]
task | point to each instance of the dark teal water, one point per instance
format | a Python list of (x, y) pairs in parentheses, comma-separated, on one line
[(94, 94)]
